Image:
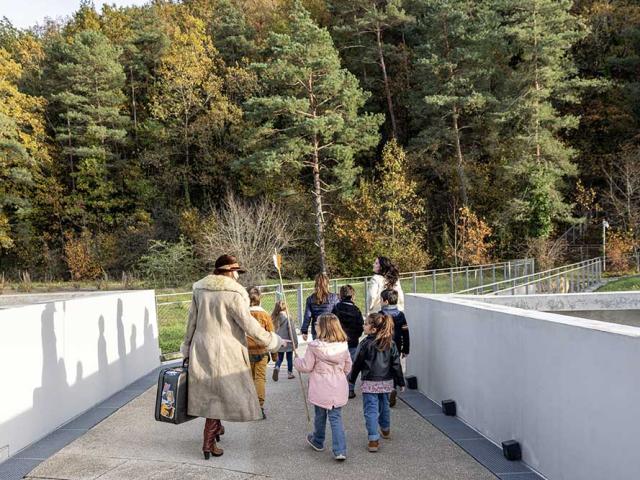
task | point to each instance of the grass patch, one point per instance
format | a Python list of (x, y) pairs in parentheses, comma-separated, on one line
[(622, 284)]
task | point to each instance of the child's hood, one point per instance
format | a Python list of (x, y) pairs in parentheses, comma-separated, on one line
[(331, 352)]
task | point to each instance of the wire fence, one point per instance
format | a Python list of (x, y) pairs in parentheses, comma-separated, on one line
[(173, 308)]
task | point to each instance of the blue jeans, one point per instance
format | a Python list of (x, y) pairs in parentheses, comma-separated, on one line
[(376, 413), (352, 352), (289, 360), (338, 437)]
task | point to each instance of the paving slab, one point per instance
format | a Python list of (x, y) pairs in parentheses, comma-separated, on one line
[(130, 444)]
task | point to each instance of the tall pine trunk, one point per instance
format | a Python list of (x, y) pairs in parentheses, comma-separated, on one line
[(317, 185), (134, 108), (385, 79), (317, 202), (185, 178), (462, 177), (536, 83)]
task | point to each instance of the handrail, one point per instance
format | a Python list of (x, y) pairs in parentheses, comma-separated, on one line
[(513, 282), (308, 284), (587, 263)]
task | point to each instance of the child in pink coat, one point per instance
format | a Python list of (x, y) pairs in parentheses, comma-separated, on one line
[(327, 361)]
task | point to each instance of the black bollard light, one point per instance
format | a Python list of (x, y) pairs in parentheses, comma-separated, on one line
[(511, 450), (412, 382), (449, 408)]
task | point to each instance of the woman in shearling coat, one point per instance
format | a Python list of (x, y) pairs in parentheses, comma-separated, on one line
[(220, 382)]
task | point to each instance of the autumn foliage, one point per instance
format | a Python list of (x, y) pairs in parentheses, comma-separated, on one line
[(620, 247), (471, 245), (384, 217)]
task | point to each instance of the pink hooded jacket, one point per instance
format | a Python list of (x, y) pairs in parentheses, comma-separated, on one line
[(327, 365)]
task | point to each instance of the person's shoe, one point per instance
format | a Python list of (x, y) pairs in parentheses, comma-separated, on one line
[(386, 434), (352, 394), (276, 372), (211, 430), (214, 451), (373, 445), (264, 416), (340, 457), (313, 444), (290, 376), (393, 398)]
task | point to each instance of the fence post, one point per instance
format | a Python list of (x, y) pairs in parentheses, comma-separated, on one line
[(366, 297), (300, 295), (335, 286), (571, 277), (493, 273), (481, 279), (513, 288), (466, 277), (433, 279), (451, 278), (599, 270), (415, 282), (508, 274)]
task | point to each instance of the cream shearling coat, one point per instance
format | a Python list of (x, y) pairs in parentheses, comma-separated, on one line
[(220, 382), (376, 286)]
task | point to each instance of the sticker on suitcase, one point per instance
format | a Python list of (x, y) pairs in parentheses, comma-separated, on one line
[(168, 404)]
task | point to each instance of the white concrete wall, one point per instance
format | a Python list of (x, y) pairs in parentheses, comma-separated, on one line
[(567, 389), (60, 358), (568, 301)]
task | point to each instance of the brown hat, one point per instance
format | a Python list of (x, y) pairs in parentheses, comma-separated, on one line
[(227, 263)]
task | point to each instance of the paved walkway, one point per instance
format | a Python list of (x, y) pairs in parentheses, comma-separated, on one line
[(130, 444)]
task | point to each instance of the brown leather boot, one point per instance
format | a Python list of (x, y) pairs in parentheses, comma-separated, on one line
[(220, 431), (211, 430), (373, 445)]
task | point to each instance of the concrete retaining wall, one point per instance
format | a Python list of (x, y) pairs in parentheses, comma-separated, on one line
[(567, 389), (63, 356)]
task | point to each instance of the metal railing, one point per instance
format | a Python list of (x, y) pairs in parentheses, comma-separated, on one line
[(173, 307), (576, 277)]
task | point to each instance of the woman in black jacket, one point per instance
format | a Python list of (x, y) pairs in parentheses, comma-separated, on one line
[(378, 361), (351, 321), (320, 302)]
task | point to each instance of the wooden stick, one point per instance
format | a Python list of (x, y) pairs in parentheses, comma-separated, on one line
[(278, 264)]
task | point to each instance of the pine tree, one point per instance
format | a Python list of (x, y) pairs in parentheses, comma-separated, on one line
[(364, 29), (539, 36), (308, 118), (370, 36), (86, 100), (454, 68)]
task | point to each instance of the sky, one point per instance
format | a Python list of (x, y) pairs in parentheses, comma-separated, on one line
[(25, 13)]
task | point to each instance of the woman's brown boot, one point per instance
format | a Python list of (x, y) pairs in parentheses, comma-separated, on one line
[(211, 430), (220, 431)]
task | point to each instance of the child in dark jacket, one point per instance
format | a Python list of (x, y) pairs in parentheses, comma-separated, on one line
[(378, 361), (351, 321), (400, 330)]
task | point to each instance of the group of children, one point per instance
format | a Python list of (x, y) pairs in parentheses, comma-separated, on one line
[(335, 359)]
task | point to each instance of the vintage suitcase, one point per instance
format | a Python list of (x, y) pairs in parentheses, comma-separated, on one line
[(171, 398)]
